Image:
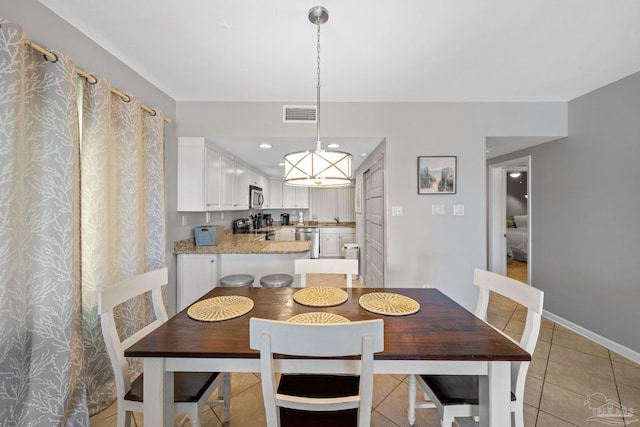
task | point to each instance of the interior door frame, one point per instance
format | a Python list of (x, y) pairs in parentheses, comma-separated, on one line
[(497, 208)]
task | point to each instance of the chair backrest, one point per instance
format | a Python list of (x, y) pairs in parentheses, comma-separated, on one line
[(326, 266), (114, 295), (317, 340), (527, 296)]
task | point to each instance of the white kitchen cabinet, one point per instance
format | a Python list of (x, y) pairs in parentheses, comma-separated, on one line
[(199, 170), (295, 197), (228, 182), (287, 234), (274, 201), (196, 275), (211, 180), (241, 186), (332, 239)]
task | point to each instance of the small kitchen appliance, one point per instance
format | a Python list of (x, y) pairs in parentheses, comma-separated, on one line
[(268, 220), (284, 219), (241, 226)]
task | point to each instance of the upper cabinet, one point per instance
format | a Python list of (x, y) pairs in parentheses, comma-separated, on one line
[(282, 196), (209, 180)]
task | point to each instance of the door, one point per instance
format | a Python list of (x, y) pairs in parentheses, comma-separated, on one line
[(374, 225), (498, 213)]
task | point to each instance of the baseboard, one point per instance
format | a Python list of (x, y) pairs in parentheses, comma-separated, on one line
[(605, 342)]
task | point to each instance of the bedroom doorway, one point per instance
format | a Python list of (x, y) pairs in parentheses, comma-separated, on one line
[(509, 230)]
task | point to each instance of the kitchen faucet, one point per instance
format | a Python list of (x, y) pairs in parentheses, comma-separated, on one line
[(337, 220)]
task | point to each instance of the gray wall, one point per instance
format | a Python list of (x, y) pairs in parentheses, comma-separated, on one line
[(585, 229), (47, 29), (440, 251)]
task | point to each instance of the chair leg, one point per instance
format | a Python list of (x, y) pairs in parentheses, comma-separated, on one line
[(124, 418), (226, 391), (412, 400)]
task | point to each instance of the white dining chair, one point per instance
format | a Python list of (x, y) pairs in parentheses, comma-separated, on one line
[(457, 395), (348, 267), (321, 398), (191, 389)]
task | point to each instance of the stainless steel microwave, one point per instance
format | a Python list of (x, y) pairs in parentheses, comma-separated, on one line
[(256, 198)]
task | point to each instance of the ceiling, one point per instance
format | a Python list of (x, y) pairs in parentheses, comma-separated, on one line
[(372, 51)]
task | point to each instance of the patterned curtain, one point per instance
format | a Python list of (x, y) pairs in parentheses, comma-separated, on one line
[(41, 352), (122, 218), (54, 368)]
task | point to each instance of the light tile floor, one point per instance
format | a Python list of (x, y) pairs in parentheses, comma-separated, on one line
[(566, 369)]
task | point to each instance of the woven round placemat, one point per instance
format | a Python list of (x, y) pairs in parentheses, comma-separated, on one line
[(220, 308), (318, 317), (389, 304), (320, 296)]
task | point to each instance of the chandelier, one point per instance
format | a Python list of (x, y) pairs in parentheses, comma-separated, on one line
[(319, 168)]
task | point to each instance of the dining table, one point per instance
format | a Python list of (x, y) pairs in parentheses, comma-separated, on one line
[(440, 338)]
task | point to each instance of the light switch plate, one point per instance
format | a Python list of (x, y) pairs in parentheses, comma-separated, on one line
[(438, 210), (396, 210), (458, 210)]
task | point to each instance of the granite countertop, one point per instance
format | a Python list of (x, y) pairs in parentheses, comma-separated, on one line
[(243, 244), (321, 224)]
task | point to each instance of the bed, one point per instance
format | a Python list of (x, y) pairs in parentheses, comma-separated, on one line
[(518, 238)]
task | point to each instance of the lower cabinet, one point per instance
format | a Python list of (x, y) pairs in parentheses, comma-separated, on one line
[(333, 239), (286, 234), (196, 275)]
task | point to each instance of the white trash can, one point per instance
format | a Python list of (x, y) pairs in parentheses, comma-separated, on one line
[(351, 251)]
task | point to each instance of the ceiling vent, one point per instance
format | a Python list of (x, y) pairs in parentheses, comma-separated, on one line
[(299, 113)]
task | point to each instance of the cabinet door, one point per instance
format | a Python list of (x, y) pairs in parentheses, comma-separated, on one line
[(196, 275), (288, 196), (329, 245), (213, 180), (302, 197), (275, 194), (287, 234), (241, 187), (191, 175), (228, 182)]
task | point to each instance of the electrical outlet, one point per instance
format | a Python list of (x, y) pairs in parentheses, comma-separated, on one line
[(184, 220), (438, 210)]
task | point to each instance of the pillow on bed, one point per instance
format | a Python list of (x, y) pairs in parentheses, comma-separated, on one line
[(511, 223), (522, 221)]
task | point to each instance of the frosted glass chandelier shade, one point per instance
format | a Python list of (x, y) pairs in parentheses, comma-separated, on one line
[(318, 168)]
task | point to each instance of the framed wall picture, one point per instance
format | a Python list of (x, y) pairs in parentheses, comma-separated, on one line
[(437, 174)]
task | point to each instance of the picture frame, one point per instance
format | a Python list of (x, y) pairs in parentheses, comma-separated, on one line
[(437, 174), (358, 198)]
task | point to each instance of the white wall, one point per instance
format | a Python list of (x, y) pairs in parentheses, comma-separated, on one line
[(421, 249)]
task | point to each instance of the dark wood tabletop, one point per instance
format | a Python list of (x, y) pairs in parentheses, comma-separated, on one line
[(440, 330)]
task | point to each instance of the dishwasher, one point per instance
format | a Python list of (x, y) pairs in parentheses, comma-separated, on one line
[(313, 234)]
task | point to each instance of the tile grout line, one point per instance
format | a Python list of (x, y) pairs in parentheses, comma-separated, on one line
[(544, 376)]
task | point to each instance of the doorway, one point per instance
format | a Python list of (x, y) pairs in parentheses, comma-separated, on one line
[(510, 245)]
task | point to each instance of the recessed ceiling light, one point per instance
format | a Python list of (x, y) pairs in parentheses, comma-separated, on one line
[(280, 164), (333, 145), (265, 145), (364, 154), (514, 174)]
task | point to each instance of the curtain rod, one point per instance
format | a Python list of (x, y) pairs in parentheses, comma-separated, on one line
[(52, 57)]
